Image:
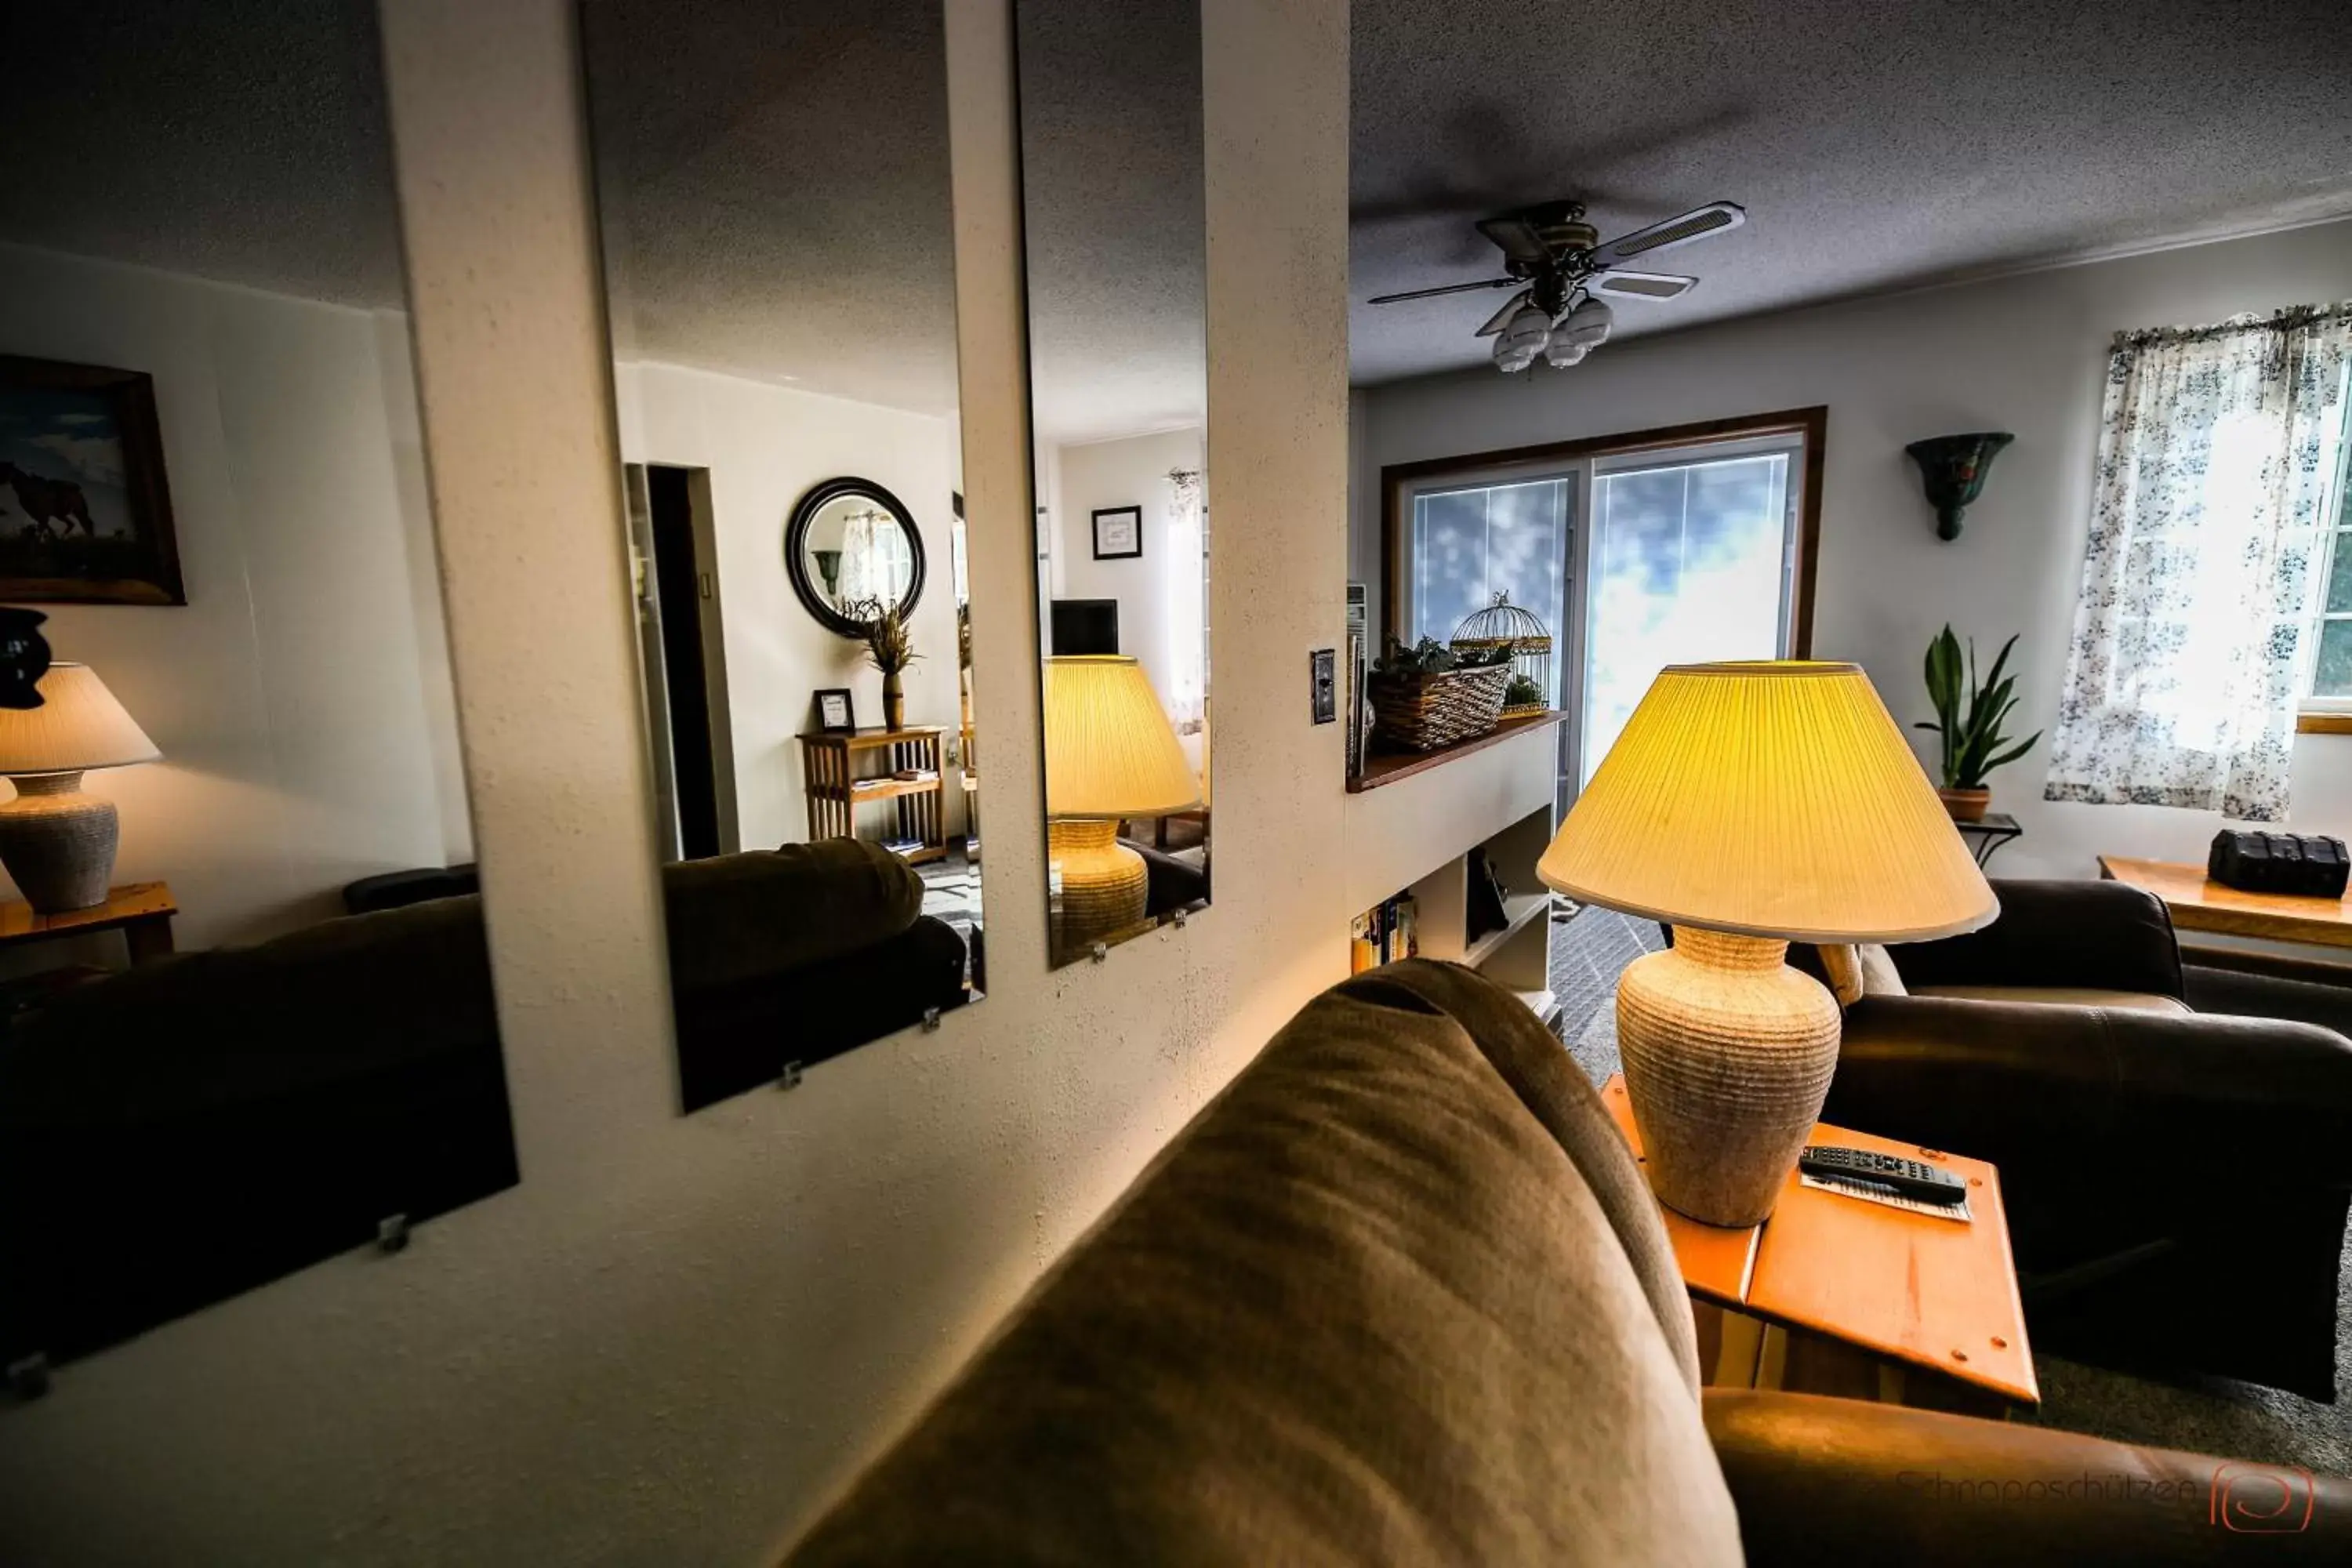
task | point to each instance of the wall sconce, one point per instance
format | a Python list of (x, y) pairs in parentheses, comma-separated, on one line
[(1954, 467)]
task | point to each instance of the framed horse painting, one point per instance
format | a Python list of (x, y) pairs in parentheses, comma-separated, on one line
[(85, 514)]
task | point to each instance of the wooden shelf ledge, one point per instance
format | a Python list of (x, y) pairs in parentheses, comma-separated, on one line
[(1389, 767)]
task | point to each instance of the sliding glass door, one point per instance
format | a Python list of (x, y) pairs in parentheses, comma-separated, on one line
[(1636, 552), (1692, 560)]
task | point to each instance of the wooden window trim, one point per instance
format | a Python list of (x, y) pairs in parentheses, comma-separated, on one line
[(2322, 723), (1811, 424)]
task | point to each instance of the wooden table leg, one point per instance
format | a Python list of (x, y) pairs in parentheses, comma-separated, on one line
[(147, 939)]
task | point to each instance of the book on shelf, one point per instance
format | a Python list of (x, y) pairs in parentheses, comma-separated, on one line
[(1384, 934)]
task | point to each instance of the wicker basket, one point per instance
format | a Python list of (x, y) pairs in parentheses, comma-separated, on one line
[(1422, 712)]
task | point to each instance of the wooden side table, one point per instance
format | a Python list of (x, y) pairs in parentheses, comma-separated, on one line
[(142, 911), (1833, 1294), (2199, 903), (844, 771)]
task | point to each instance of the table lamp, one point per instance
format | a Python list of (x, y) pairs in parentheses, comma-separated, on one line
[(56, 842), (1110, 753), (1747, 805)]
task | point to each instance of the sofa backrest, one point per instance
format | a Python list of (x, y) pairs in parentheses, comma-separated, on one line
[(1399, 1294)]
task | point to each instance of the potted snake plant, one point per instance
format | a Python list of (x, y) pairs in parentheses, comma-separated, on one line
[(1968, 715)]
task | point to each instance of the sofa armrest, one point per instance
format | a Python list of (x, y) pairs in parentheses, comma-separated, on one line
[(1815, 1478), (2031, 1085), (2105, 936)]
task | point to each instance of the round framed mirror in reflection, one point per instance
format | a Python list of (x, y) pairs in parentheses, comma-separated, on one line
[(850, 541)]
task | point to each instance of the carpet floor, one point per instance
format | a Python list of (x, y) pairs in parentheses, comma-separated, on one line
[(2232, 1420)]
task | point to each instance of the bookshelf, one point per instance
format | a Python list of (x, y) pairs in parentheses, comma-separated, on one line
[(1517, 952)]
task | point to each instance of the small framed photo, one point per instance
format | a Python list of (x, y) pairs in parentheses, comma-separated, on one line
[(1118, 534), (835, 714), (85, 513)]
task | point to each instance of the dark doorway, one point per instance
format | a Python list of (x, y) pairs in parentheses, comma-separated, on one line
[(681, 583)]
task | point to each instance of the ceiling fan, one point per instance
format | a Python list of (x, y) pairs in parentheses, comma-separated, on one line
[(1563, 268)]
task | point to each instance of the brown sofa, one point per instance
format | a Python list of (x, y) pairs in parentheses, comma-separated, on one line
[(174, 1134), (1401, 1295)]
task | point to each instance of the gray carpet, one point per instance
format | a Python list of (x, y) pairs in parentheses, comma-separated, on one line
[(2233, 1420)]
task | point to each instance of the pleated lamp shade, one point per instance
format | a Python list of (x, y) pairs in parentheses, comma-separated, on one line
[(1110, 750), (78, 726), (1771, 799)]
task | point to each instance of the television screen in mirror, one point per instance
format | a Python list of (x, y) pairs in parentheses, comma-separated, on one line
[(779, 259), (246, 1014), (1115, 247)]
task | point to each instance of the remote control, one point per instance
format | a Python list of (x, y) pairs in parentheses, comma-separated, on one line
[(1907, 1178)]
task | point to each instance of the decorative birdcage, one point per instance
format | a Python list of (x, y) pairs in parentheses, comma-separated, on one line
[(1506, 625)]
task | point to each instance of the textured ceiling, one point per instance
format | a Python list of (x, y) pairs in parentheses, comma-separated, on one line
[(773, 178), (237, 140), (1873, 142)]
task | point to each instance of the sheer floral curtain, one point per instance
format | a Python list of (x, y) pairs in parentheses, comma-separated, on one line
[(2217, 447), (1188, 610)]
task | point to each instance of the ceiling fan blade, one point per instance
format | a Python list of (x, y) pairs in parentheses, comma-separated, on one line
[(1510, 307), (1641, 284), (1448, 289), (1698, 223), (1517, 237)]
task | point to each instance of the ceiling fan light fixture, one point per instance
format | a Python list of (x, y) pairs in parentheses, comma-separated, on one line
[(1522, 338), (1559, 353), (1587, 326)]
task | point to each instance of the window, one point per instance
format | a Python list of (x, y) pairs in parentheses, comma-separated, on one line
[(1471, 544), (1636, 552), (2330, 690), (2206, 567)]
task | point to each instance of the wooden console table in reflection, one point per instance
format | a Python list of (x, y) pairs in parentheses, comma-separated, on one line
[(846, 771)]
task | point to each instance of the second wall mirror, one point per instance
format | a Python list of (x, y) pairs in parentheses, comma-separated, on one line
[(773, 182), (1112, 169), (853, 549)]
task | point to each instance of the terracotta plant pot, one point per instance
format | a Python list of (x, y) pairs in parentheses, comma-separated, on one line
[(1965, 804)]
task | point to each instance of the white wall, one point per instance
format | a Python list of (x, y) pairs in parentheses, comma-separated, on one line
[(765, 447), (1132, 471), (301, 698), (677, 1334), (2026, 355)]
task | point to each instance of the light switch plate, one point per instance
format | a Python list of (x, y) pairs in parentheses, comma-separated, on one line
[(1323, 677)]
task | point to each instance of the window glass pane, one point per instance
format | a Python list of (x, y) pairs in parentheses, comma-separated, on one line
[(1687, 565), (1449, 553), (2339, 577), (2333, 678)]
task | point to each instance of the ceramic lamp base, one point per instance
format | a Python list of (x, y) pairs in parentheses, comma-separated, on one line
[(58, 843), (1104, 886), (1728, 1054)]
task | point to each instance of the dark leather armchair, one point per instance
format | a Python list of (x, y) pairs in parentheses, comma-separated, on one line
[(2176, 1182), (1814, 1478)]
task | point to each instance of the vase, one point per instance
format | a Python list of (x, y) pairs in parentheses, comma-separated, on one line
[(894, 703), (1965, 804)]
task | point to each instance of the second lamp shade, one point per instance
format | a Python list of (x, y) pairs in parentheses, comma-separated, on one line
[(1773, 799), (1110, 751)]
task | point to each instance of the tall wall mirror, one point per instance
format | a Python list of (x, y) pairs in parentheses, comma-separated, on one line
[(779, 256), (246, 1013), (1113, 189)]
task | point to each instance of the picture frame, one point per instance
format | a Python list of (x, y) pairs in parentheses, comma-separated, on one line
[(836, 711), (1118, 534), (85, 510)]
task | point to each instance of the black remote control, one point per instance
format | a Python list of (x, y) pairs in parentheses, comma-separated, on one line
[(1907, 1178)]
